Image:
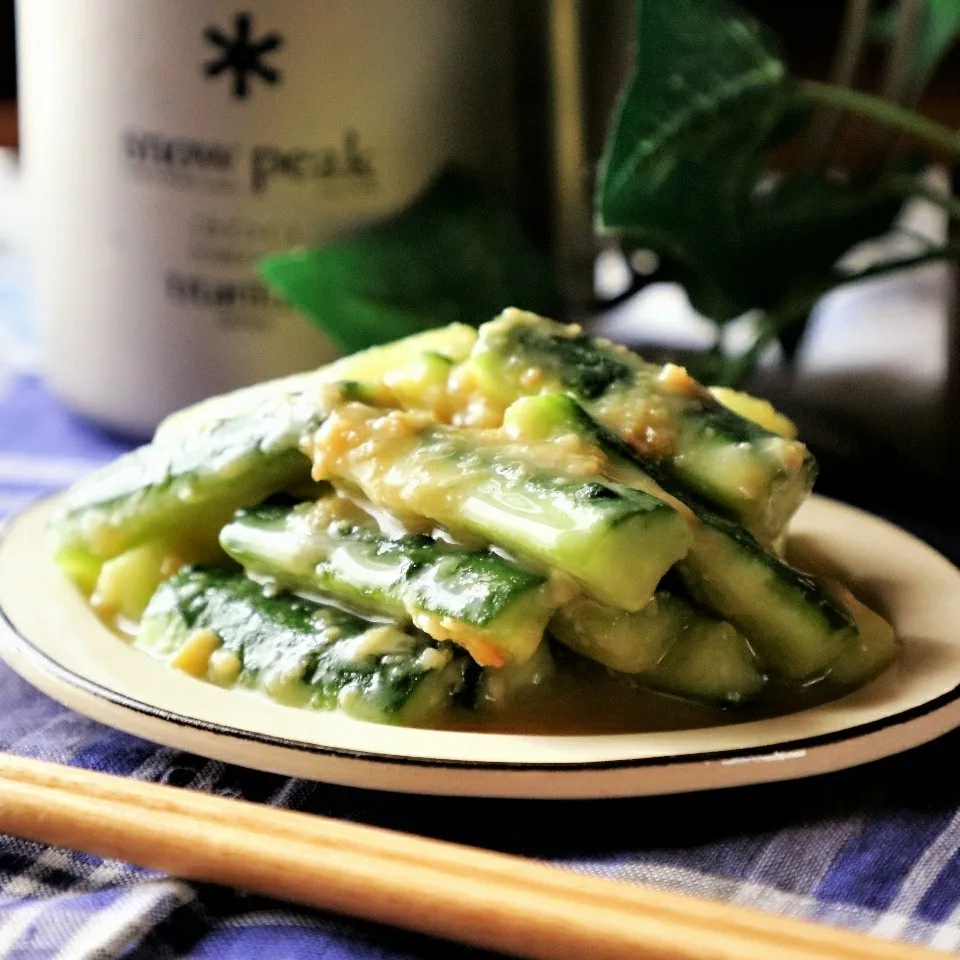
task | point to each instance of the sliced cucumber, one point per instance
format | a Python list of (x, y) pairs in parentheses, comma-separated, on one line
[(221, 626), (126, 583), (181, 492), (535, 500), (875, 649), (225, 453), (757, 409), (711, 662), (797, 628), (479, 600), (664, 415), (626, 642), (399, 360), (670, 646)]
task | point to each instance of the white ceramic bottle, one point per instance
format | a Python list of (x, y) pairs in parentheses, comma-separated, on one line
[(168, 144)]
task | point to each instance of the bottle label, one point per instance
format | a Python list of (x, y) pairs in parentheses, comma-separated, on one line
[(168, 146)]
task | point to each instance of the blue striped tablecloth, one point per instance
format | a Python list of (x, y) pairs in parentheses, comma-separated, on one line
[(875, 849)]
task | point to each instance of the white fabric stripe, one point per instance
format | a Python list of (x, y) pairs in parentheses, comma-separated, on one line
[(919, 880), (30, 882), (69, 732), (153, 765), (208, 775), (949, 936), (23, 887), (30, 470), (16, 926), (109, 932), (811, 850), (103, 874)]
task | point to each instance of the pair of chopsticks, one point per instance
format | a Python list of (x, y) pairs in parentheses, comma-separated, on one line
[(454, 892)]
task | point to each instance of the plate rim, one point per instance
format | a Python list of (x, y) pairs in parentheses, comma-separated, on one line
[(126, 702), (46, 664)]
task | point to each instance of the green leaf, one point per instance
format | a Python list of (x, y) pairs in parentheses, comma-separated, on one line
[(937, 33), (701, 69), (706, 96), (683, 173), (941, 27), (453, 255), (805, 223)]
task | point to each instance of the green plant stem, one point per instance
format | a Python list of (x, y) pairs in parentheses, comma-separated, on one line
[(770, 326), (949, 251), (735, 369), (883, 111)]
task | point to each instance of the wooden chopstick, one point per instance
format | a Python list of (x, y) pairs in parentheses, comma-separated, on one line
[(455, 892)]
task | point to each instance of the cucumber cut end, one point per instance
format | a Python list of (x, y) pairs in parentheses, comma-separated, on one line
[(876, 645), (711, 662), (623, 565), (78, 565), (127, 582), (509, 639), (626, 642)]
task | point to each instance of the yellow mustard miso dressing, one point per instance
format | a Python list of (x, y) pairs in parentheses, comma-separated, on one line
[(582, 698), (573, 696)]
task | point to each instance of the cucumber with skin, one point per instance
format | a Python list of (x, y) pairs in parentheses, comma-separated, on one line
[(876, 647), (222, 626), (711, 662), (538, 501), (492, 607), (182, 491), (669, 645), (662, 413), (798, 629), (398, 361), (228, 452)]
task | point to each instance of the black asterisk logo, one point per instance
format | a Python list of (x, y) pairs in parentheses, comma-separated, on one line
[(242, 56)]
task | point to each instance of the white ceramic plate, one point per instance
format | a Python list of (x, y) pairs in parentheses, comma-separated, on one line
[(50, 637)]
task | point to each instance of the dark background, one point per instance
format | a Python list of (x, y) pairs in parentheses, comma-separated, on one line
[(8, 77), (8, 70)]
